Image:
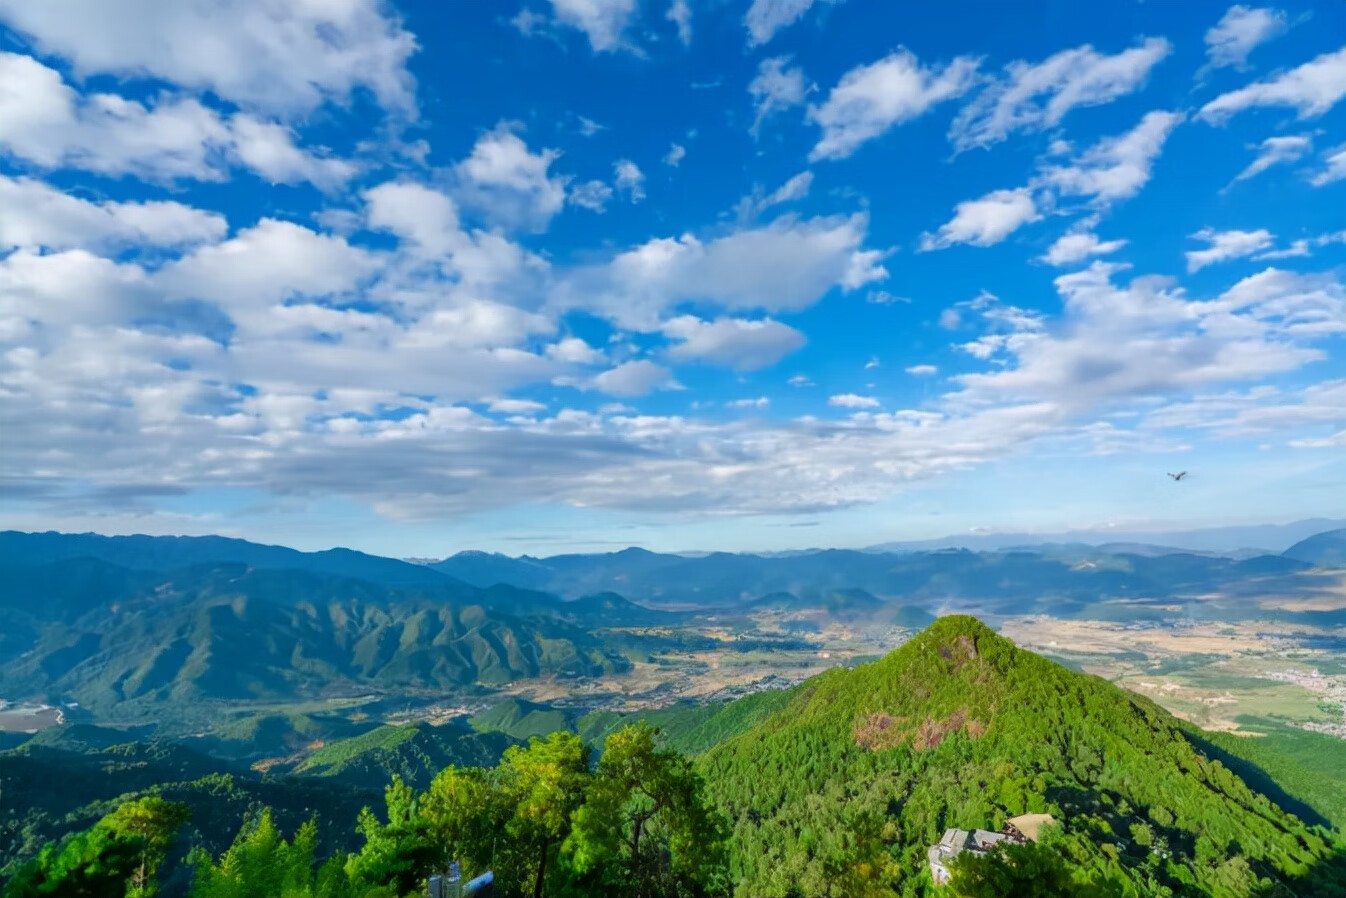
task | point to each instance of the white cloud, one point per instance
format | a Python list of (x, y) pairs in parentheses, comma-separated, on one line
[(784, 266), (744, 345), (950, 319), (800, 380), (922, 370), (1276, 150), (1239, 30), (269, 149), (851, 400), (516, 406), (45, 122), (1035, 96), (1335, 169), (759, 402), (985, 221), (636, 378), (872, 363), (753, 205), (872, 98), (630, 179), (1226, 245), (267, 263), (574, 351), (1311, 89), (1296, 249), (776, 87), (277, 56), (592, 195), (1077, 246), (418, 214), (1114, 168), (676, 154), (602, 20), (37, 216), (884, 298), (765, 17), (680, 14), (508, 183)]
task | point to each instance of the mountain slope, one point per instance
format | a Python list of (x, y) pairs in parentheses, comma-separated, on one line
[(843, 789), (232, 632), (1323, 550), (415, 752), (169, 553)]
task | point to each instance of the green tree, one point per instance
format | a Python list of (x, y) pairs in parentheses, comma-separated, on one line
[(645, 825), (95, 863), (401, 853), (119, 855), (545, 783), (1029, 870), (154, 822)]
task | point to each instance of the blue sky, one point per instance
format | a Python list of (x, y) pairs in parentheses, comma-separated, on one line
[(574, 274)]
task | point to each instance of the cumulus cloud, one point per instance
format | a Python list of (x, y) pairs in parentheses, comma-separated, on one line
[(635, 378), (275, 56), (1030, 97), (37, 216), (1239, 30), (1311, 89), (1225, 245), (1277, 150), (765, 17), (786, 265), (776, 87), (742, 344), (985, 221), (922, 370), (1076, 246), (592, 195), (630, 179), (509, 184), (516, 406), (852, 400), (48, 124), (675, 155), (1114, 168), (872, 98), (603, 21), (575, 351)]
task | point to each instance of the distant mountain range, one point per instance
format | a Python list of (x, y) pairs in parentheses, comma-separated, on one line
[(1057, 579), (1243, 539), (134, 625)]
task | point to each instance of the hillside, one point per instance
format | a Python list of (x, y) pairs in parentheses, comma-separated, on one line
[(415, 752), (1323, 550), (841, 790), (118, 641)]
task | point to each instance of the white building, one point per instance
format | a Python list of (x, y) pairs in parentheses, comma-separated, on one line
[(954, 843)]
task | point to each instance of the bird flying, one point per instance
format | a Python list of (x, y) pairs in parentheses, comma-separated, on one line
[(1178, 476)]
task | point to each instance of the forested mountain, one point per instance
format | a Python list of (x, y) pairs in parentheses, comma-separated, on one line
[(109, 637), (836, 787), (842, 790)]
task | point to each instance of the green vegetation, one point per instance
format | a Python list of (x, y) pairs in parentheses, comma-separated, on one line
[(842, 790), (1299, 761), (832, 789), (543, 821), (415, 752)]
